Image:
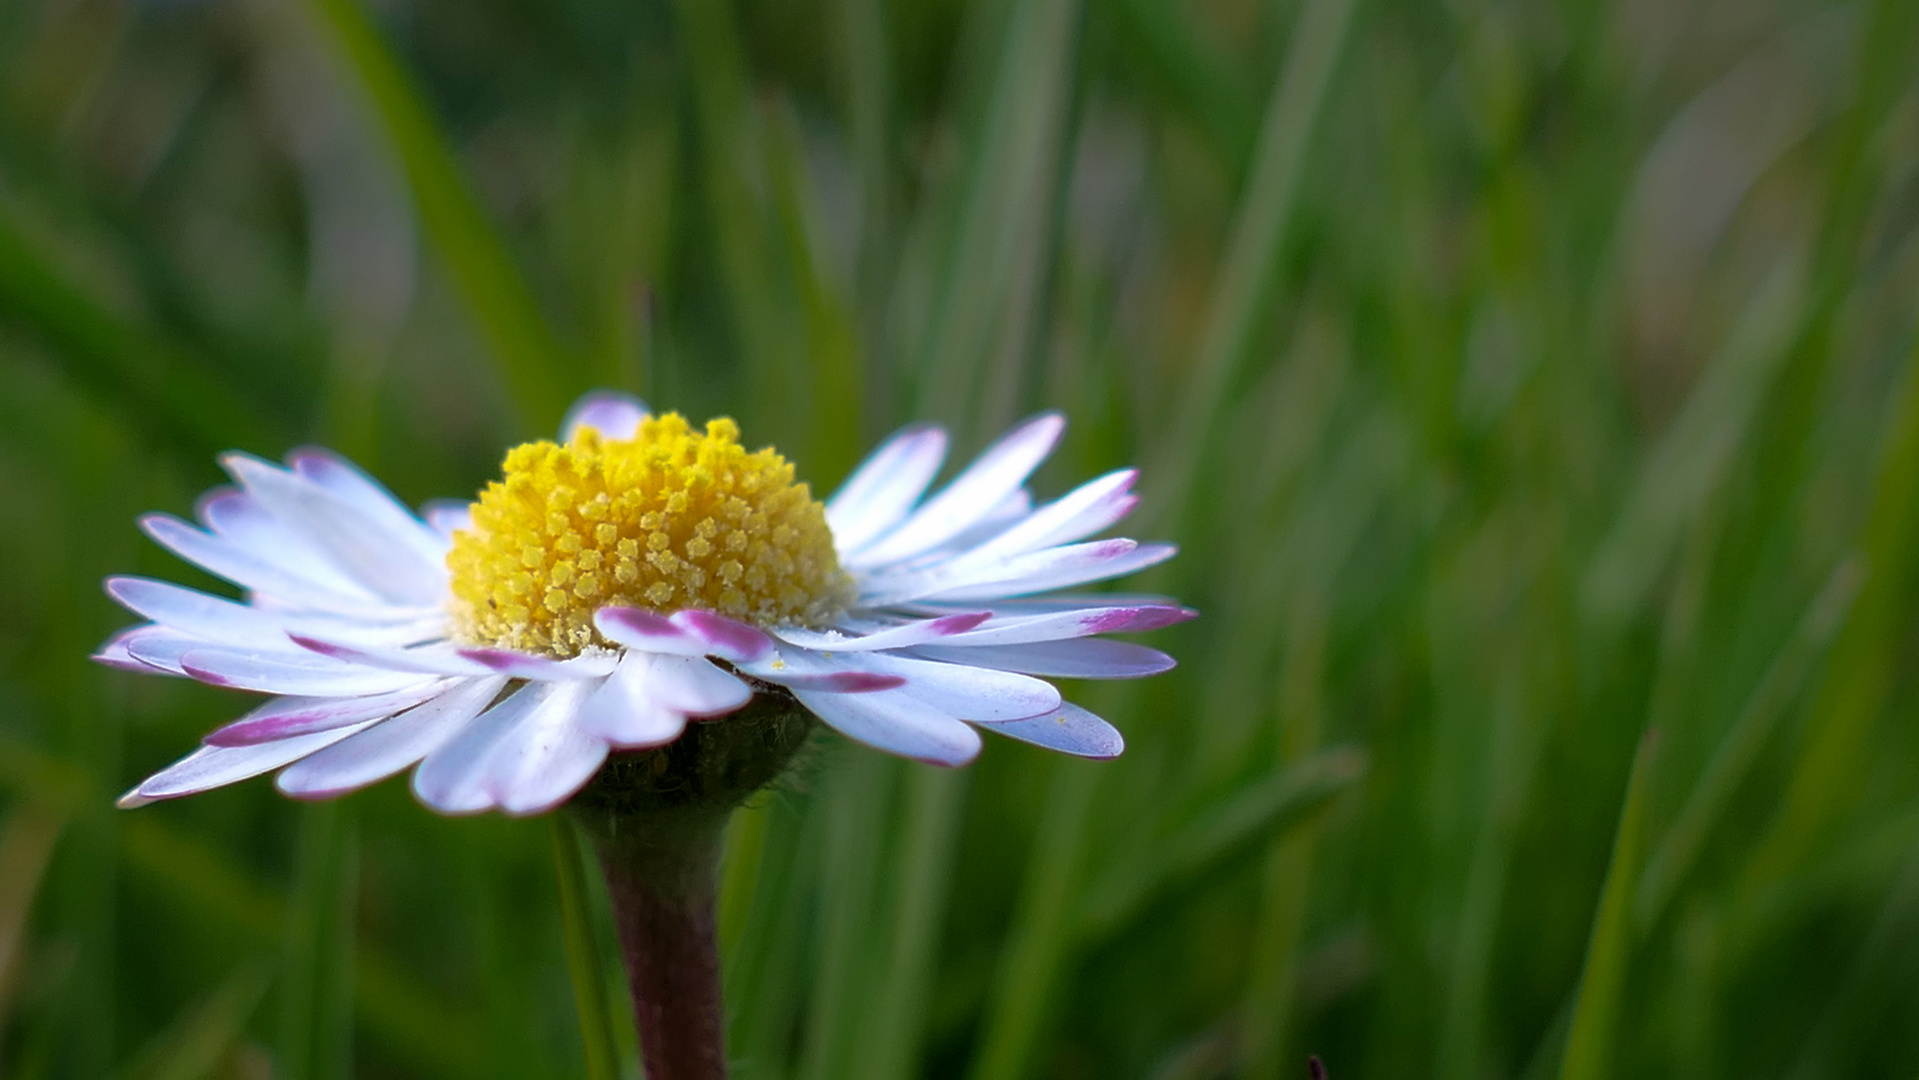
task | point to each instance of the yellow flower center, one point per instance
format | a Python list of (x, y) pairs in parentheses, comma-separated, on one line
[(672, 518)]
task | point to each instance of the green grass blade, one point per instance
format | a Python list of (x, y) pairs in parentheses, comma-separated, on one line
[(972, 351), (26, 846), (1256, 815), (1041, 938), (1259, 227), (195, 1045), (1685, 468), (1864, 655), (1594, 1039), (1733, 759), (316, 975), (858, 806), (471, 251), (150, 382), (923, 870), (602, 1052)]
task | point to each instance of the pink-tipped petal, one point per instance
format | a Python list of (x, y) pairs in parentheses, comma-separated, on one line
[(115, 653), (521, 665), (438, 659), (223, 558), (1039, 571), (216, 766), (1079, 513), (286, 717), (1072, 624), (386, 748), (728, 639), (919, 632)]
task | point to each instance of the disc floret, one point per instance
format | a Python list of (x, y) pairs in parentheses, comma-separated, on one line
[(671, 518)]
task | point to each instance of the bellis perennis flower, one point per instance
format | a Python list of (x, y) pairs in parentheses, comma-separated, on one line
[(612, 588)]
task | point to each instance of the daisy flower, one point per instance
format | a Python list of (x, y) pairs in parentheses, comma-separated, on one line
[(612, 587)]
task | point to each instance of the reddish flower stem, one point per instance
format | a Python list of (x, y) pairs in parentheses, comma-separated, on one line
[(663, 885)]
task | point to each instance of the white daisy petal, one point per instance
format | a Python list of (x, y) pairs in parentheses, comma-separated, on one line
[(521, 665), (450, 778), (370, 497), (624, 713), (288, 673), (191, 611), (1068, 729), (918, 632), (160, 647), (694, 686), (437, 659), (542, 760), (286, 717), (1038, 605), (898, 725), (387, 564), (448, 516), (684, 633), (613, 414), (1075, 658), (238, 518), (1071, 624), (1054, 568), (1079, 513), (386, 748), (117, 653), (885, 486), (216, 766), (995, 474), (222, 557), (966, 693)]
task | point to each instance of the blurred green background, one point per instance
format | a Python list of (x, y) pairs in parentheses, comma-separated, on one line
[(1520, 378)]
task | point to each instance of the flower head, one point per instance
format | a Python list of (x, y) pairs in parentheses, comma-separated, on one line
[(615, 585)]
